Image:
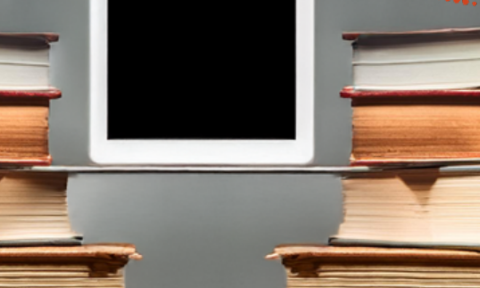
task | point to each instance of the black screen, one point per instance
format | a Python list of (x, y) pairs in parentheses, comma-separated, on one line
[(202, 70)]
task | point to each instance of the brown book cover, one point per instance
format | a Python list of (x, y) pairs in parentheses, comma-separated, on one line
[(325, 266), (96, 266), (115, 252), (46, 37), (305, 251)]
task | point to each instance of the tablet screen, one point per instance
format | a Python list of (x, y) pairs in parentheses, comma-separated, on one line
[(202, 70)]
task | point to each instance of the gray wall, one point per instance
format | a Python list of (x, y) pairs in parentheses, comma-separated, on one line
[(213, 230)]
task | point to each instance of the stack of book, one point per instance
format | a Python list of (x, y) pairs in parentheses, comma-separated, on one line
[(416, 108), (38, 247)]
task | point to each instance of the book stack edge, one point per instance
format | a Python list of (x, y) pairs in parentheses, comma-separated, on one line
[(38, 247), (416, 107)]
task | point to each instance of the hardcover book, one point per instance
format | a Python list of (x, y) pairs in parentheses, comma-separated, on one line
[(411, 208), (95, 266), (323, 266), (414, 127), (416, 60), (34, 210)]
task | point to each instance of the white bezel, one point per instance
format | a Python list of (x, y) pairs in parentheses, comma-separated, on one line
[(206, 152)]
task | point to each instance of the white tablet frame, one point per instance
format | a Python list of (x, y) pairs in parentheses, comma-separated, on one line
[(202, 152)]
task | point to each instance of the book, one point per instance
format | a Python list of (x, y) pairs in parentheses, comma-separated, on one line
[(24, 61), (25, 94), (324, 266), (34, 210), (416, 60), (95, 266), (24, 130), (401, 127), (410, 208)]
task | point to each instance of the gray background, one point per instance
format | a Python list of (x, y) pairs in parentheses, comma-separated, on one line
[(213, 230)]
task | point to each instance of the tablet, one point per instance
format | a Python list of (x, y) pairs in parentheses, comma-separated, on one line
[(202, 83)]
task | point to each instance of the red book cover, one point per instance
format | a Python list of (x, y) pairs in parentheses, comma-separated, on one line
[(52, 93), (350, 92), (352, 36), (414, 163)]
